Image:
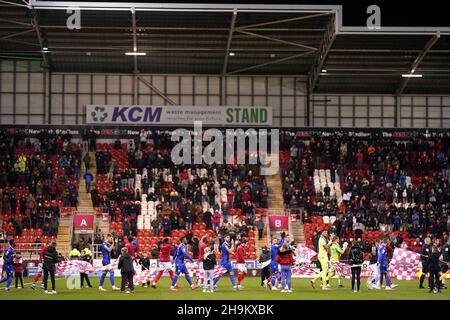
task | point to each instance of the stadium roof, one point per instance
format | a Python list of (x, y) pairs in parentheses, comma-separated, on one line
[(230, 40)]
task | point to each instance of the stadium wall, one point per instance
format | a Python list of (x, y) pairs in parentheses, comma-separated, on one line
[(29, 95)]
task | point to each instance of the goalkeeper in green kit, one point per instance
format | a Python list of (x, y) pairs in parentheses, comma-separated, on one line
[(324, 247), (335, 255)]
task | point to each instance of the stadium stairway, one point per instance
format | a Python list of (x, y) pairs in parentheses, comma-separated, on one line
[(298, 232), (276, 204), (84, 199), (275, 199), (275, 190), (64, 241)]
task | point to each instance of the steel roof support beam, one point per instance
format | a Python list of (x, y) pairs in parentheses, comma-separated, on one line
[(417, 62), (35, 23), (271, 62), (133, 24), (308, 48), (15, 3), (156, 90), (322, 53), (12, 35), (15, 22), (230, 39), (283, 21), (187, 28)]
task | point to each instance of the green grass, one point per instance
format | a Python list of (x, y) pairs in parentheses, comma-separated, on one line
[(407, 290)]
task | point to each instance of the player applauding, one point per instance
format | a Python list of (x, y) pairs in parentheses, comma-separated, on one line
[(226, 249), (107, 246), (180, 267)]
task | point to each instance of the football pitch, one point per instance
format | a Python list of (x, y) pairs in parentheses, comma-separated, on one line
[(407, 290)]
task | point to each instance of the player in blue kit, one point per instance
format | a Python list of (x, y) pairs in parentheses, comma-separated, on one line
[(383, 265), (274, 267), (227, 248), (180, 267), (107, 246), (8, 264)]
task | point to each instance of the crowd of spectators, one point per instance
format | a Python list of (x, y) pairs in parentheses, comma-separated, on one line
[(223, 197), (37, 176), (388, 184)]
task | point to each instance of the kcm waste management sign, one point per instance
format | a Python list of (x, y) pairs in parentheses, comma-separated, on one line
[(178, 115)]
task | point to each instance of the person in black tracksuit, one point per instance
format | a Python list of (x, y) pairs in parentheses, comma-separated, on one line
[(49, 266), (126, 270), (144, 261), (434, 269), (425, 252), (446, 259), (356, 259), (265, 272), (84, 276), (209, 261)]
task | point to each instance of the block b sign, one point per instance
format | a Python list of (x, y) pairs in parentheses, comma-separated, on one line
[(279, 223)]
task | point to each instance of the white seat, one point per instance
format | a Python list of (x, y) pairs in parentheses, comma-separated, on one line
[(326, 219), (332, 219)]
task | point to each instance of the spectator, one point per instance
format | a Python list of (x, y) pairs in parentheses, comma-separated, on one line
[(88, 178), (260, 226), (356, 258), (18, 269), (434, 269), (285, 259), (74, 254), (86, 256), (264, 260), (126, 270), (49, 266), (209, 261)]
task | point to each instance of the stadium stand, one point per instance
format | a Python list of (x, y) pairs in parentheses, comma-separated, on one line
[(365, 187), (38, 183), (149, 198)]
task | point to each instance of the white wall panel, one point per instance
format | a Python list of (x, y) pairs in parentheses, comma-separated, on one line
[(98, 83), (113, 84), (7, 103), (21, 103), (22, 82), (286, 95)]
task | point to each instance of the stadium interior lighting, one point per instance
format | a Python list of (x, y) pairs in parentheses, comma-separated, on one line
[(135, 53), (411, 75), (231, 54)]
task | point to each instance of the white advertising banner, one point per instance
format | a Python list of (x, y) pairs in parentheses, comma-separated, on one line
[(178, 115)]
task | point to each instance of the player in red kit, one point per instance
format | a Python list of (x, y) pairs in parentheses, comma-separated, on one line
[(165, 251), (130, 248), (39, 270), (201, 251), (241, 253)]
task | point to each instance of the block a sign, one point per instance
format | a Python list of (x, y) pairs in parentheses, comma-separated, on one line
[(83, 223)]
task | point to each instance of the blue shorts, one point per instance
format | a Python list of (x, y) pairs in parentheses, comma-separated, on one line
[(384, 268), (8, 269), (181, 268), (227, 266), (274, 268)]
